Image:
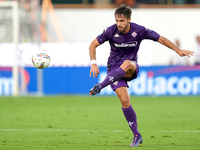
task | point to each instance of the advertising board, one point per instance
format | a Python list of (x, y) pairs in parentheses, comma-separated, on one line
[(154, 80)]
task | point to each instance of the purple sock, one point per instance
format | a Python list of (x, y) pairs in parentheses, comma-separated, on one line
[(113, 76), (131, 118)]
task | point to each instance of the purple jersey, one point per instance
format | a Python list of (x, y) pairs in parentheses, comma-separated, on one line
[(125, 46)]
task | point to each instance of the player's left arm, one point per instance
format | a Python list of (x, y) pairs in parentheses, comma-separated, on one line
[(169, 44)]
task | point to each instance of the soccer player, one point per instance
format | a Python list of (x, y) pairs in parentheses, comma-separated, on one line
[(125, 38)]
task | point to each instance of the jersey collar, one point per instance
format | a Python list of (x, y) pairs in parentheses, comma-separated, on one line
[(130, 31)]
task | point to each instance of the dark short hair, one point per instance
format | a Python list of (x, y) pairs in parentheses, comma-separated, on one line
[(124, 10)]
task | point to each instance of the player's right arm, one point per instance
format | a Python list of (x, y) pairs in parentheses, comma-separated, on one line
[(94, 70)]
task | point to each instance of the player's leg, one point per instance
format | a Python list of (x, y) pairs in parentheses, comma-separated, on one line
[(132, 70), (129, 113), (111, 77), (127, 69), (124, 97)]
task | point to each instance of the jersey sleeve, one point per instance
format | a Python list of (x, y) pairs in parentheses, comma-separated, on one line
[(150, 34), (101, 38)]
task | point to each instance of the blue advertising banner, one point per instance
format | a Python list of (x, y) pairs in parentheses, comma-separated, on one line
[(6, 80), (154, 80), (63, 80), (177, 80), (158, 80)]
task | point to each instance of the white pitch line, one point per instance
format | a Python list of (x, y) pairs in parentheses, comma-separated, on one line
[(57, 130), (65, 130), (180, 131)]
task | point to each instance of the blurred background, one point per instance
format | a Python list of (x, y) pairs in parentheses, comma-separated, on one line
[(65, 29)]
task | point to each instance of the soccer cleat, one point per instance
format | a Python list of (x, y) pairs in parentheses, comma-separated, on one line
[(136, 141), (96, 89)]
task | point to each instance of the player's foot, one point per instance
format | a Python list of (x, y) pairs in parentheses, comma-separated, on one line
[(136, 141), (96, 89)]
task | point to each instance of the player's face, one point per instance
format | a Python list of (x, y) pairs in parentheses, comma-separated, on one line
[(123, 24)]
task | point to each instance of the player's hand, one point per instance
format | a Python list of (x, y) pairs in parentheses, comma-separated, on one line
[(94, 70), (185, 53)]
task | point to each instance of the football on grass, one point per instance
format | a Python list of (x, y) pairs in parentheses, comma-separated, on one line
[(41, 60)]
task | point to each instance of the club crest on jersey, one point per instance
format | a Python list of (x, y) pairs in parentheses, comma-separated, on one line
[(134, 34)]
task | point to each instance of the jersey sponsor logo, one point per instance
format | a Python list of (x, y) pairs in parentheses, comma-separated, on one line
[(134, 34), (134, 43), (116, 35)]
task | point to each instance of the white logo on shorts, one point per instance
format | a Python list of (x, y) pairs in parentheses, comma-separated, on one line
[(115, 83)]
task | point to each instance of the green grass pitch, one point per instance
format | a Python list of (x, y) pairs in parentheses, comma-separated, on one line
[(97, 123)]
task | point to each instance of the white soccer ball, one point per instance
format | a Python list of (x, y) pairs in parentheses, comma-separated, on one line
[(41, 60)]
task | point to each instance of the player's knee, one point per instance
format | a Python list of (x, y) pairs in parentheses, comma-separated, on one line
[(126, 65), (125, 102)]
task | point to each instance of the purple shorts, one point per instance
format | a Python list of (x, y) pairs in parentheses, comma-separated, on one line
[(123, 81)]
